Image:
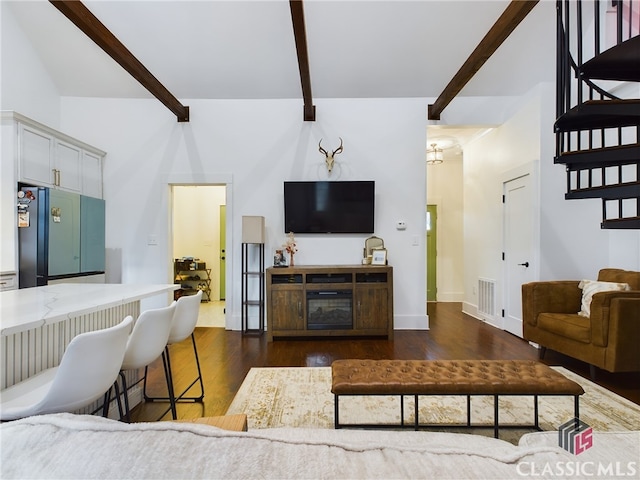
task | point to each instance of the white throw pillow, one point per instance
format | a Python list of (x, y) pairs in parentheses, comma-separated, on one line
[(591, 287)]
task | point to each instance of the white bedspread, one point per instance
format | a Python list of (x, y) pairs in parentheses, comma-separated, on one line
[(69, 446)]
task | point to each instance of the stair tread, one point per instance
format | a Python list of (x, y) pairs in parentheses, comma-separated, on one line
[(600, 114), (619, 62), (609, 148), (607, 192), (600, 157), (621, 223), (615, 185)]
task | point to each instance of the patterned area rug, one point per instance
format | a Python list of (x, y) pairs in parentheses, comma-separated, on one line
[(301, 397)]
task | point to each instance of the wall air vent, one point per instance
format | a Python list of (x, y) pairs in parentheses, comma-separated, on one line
[(486, 298)]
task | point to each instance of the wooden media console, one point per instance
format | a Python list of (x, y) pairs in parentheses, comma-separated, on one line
[(330, 300)]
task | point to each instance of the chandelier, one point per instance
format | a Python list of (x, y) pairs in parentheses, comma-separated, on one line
[(434, 155)]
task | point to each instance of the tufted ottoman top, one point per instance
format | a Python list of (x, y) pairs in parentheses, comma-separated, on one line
[(448, 377)]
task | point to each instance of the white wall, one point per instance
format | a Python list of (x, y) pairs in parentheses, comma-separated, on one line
[(258, 145), (25, 85)]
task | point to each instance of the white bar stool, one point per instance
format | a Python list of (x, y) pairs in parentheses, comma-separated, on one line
[(184, 322), (146, 343), (88, 368)]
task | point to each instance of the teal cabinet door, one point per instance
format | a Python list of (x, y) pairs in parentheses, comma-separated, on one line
[(92, 234), (64, 233)]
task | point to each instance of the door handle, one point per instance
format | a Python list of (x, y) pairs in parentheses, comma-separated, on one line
[(525, 264)]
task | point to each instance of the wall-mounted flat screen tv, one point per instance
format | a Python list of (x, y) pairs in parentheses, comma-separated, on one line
[(329, 207)]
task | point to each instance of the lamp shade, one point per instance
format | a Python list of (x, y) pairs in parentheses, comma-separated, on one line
[(253, 229)]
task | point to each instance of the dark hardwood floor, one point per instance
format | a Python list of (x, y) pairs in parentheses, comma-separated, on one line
[(227, 356)]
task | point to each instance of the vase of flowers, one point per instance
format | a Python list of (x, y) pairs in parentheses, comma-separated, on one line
[(290, 247)]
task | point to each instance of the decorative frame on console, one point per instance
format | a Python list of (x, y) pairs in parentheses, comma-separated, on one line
[(379, 256)]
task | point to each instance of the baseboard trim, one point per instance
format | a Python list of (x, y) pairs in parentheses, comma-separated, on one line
[(411, 322), (470, 309)]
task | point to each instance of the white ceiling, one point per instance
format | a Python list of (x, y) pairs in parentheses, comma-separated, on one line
[(245, 49), (214, 49)]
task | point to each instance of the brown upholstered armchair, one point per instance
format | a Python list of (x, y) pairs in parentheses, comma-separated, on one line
[(609, 338)]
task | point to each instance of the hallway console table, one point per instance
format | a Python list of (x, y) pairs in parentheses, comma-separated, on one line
[(330, 300)]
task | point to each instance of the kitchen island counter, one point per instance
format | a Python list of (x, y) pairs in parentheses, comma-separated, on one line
[(37, 324), (28, 308)]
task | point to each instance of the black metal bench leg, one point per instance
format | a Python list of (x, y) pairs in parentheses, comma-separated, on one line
[(416, 408), (535, 412), (402, 410), (468, 410), (576, 406), (336, 408)]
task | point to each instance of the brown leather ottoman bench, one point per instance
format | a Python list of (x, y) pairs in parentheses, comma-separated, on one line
[(449, 377)]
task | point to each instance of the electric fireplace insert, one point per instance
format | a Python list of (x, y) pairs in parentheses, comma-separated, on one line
[(330, 310)]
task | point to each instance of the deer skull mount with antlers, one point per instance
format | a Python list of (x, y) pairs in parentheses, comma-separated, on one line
[(329, 157)]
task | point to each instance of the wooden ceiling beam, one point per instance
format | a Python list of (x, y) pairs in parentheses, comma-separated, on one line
[(300, 34), (515, 12), (82, 18)]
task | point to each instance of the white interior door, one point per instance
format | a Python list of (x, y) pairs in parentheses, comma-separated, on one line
[(518, 224), (223, 250)]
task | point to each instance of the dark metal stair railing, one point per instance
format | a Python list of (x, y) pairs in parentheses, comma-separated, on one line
[(597, 132)]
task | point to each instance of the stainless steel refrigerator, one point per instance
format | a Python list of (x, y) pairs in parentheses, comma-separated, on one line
[(60, 235)]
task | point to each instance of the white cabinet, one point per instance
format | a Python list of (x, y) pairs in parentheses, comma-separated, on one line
[(49, 158), (36, 154), (91, 174), (68, 171)]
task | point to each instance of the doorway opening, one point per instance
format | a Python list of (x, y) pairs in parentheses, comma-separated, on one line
[(199, 231)]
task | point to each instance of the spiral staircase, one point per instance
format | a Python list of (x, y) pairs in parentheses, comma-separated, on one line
[(597, 124)]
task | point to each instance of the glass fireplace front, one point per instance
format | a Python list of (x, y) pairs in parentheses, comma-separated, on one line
[(330, 310)]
